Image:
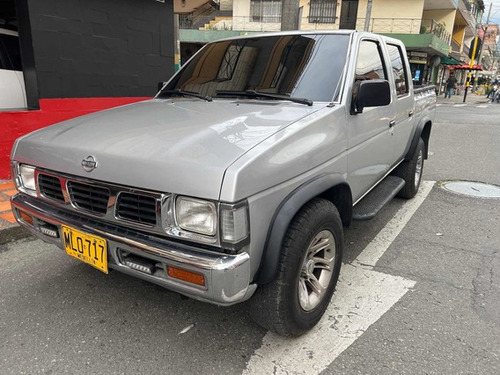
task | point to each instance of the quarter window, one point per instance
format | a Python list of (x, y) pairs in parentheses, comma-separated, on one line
[(398, 69)]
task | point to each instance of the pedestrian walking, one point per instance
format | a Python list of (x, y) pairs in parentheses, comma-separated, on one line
[(491, 93), (451, 84)]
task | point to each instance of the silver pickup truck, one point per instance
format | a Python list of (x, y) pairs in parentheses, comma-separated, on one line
[(237, 179)]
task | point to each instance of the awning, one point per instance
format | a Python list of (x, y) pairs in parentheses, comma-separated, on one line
[(466, 67), (450, 61)]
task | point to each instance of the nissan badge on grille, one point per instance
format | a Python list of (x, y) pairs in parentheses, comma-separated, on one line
[(89, 163)]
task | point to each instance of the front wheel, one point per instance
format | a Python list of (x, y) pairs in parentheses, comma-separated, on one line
[(308, 271)]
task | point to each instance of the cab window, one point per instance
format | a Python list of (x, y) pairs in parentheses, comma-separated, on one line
[(398, 69), (370, 63)]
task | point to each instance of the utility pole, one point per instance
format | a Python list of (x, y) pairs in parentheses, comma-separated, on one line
[(177, 44), (484, 35), (368, 15), (474, 46), (471, 64), (290, 15)]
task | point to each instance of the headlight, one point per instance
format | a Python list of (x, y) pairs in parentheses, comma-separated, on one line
[(196, 215), (27, 178)]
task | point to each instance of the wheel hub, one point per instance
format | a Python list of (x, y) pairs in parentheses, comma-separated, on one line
[(316, 270), (309, 267)]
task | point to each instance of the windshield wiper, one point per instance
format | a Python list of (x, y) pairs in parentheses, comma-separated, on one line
[(260, 94), (186, 93)]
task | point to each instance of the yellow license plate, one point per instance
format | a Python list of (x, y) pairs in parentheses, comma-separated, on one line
[(87, 248)]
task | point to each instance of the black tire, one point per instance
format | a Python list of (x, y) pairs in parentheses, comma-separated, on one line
[(277, 305), (411, 171)]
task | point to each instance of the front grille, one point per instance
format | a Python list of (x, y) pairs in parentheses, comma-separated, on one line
[(50, 187), (138, 208), (88, 197)]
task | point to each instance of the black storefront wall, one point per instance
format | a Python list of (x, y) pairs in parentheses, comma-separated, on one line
[(95, 48)]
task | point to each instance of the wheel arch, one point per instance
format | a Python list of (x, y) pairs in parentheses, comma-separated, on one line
[(423, 131), (332, 187)]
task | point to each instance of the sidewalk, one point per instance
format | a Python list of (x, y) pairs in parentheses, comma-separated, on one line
[(459, 99), (9, 229)]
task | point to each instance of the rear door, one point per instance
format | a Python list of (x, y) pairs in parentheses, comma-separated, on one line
[(403, 102), (369, 133)]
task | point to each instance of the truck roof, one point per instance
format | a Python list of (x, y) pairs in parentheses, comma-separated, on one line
[(308, 32)]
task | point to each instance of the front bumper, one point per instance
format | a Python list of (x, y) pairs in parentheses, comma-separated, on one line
[(227, 277)]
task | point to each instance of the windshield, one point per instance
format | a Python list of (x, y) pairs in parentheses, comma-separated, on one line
[(302, 66)]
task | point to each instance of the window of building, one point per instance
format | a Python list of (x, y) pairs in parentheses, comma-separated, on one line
[(265, 11), (398, 69), (322, 11)]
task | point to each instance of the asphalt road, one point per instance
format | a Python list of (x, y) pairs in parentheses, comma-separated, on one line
[(429, 303)]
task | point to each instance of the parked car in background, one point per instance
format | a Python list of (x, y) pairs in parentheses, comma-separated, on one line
[(12, 90)]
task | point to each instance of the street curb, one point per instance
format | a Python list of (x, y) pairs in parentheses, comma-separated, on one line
[(13, 233), (457, 99)]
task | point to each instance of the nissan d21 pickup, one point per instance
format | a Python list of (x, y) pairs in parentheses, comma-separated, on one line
[(235, 182)]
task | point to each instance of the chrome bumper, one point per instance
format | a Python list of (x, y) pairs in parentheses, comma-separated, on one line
[(227, 277)]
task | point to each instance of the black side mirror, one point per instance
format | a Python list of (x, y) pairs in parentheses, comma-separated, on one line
[(370, 93)]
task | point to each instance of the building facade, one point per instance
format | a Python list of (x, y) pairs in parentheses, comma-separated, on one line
[(77, 57), (437, 33)]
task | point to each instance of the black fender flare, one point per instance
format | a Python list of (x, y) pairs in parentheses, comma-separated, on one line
[(425, 124), (283, 217)]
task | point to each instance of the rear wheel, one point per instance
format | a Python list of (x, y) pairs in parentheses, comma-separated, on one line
[(411, 172), (308, 271)]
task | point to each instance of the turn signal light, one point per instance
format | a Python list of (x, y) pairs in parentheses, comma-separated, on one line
[(184, 275), (26, 218)]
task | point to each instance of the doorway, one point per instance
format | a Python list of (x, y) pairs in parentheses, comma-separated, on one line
[(349, 14)]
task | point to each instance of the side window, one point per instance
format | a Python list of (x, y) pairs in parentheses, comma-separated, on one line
[(398, 69), (370, 63)]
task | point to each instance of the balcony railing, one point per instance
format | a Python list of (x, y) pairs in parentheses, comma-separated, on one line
[(436, 28), (377, 25)]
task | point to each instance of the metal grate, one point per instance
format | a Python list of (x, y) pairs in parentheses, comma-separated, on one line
[(89, 197), (265, 11), (50, 187), (322, 11), (137, 208)]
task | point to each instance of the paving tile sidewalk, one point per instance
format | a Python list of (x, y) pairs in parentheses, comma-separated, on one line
[(459, 99), (9, 229)]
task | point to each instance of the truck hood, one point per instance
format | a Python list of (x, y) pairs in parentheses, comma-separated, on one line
[(166, 145)]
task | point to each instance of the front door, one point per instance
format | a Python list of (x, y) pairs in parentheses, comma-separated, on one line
[(349, 14), (371, 145)]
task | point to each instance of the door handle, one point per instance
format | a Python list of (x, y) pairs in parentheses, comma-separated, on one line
[(392, 123), (410, 113)]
